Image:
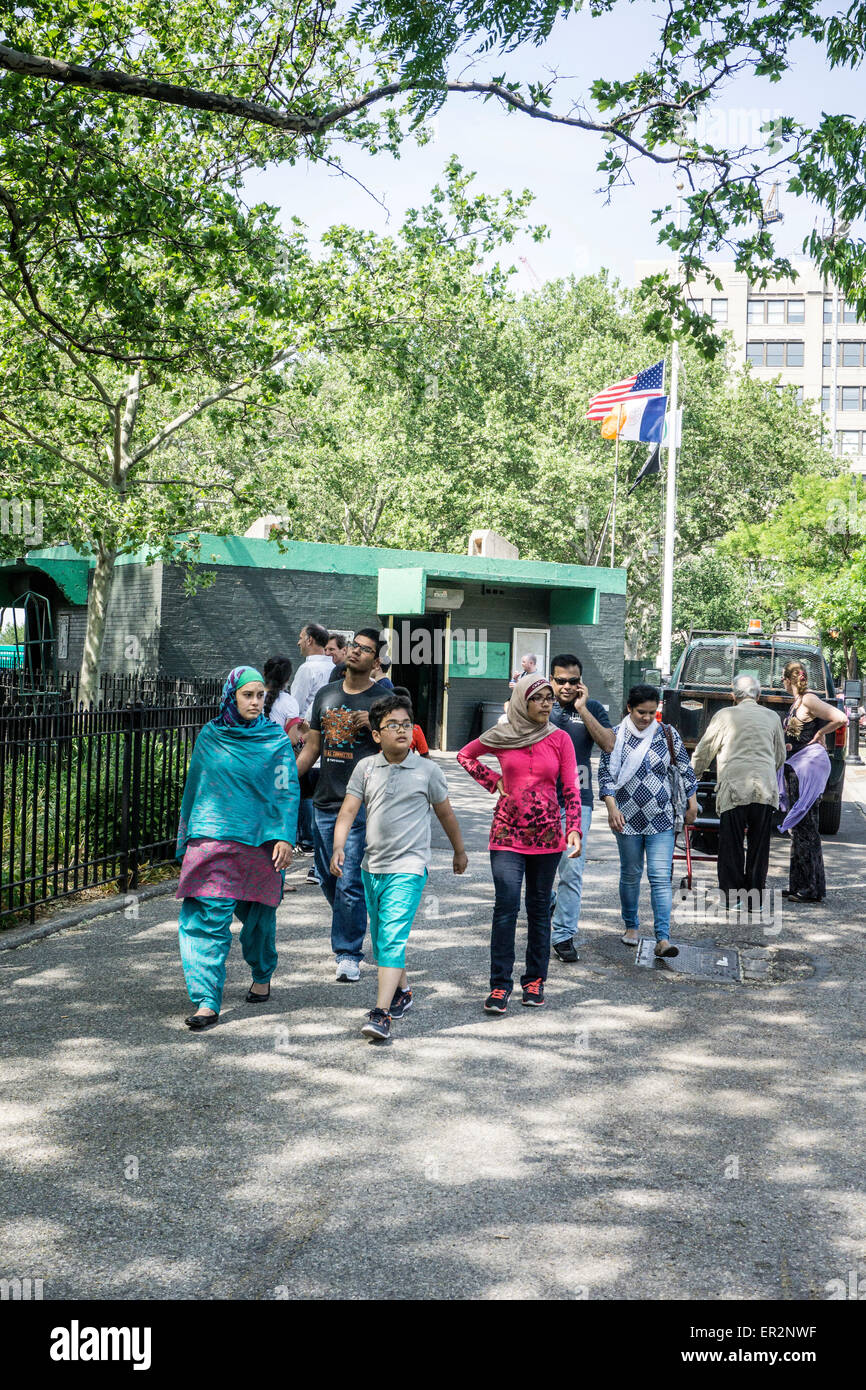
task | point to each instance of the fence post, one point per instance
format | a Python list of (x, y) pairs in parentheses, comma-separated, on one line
[(130, 801), (135, 811)]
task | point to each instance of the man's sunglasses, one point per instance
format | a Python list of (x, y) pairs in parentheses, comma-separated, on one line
[(567, 680)]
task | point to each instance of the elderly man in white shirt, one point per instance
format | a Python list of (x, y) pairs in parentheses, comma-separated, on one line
[(747, 743), (317, 668)]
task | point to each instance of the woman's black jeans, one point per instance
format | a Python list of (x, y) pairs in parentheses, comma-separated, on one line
[(508, 869)]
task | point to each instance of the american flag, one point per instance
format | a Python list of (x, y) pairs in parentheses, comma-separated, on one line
[(648, 383)]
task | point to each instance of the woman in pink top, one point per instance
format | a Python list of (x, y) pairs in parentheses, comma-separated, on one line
[(526, 838)]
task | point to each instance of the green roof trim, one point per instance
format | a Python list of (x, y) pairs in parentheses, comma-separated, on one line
[(359, 559), (69, 568), (62, 564)]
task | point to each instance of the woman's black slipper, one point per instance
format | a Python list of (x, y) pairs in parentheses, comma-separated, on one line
[(258, 998), (198, 1022)]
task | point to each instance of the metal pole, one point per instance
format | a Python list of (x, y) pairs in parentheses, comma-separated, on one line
[(834, 370), (613, 512), (671, 495), (853, 754), (443, 737)]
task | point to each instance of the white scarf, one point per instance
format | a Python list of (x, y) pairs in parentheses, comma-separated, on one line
[(624, 762)]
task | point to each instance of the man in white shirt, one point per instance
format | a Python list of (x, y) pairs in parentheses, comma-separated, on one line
[(317, 668), (746, 741)]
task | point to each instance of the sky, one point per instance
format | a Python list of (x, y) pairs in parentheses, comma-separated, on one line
[(558, 164)]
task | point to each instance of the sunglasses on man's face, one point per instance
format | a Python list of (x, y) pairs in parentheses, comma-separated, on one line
[(566, 680)]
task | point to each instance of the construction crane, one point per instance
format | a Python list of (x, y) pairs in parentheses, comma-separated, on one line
[(536, 283), (771, 206)]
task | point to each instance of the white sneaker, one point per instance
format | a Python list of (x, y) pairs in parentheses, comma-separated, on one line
[(348, 969)]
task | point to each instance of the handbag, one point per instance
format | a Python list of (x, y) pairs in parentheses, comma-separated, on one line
[(679, 796)]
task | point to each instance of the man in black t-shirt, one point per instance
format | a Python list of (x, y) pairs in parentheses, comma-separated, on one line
[(340, 734), (586, 722)]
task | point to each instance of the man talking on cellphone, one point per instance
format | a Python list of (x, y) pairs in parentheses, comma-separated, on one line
[(586, 722)]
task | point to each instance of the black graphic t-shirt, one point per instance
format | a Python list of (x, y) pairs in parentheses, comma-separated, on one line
[(343, 745)]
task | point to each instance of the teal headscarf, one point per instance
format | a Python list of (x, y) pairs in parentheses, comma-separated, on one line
[(242, 782), (229, 712)]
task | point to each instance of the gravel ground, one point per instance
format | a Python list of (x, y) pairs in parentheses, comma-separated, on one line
[(644, 1136)]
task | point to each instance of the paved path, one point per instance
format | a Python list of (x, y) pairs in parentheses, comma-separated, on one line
[(644, 1136)]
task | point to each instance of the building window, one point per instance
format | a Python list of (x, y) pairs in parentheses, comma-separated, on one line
[(796, 311), (719, 310), (755, 311), (849, 313), (850, 397), (697, 305), (794, 354), (828, 311), (849, 441), (774, 354), (755, 354), (825, 399), (852, 354), (826, 358), (775, 311)]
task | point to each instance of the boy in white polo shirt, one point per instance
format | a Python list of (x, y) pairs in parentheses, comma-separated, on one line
[(398, 788)]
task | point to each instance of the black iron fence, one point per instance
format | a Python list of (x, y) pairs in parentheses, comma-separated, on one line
[(20, 692), (88, 797)]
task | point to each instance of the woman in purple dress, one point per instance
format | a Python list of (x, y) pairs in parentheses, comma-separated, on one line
[(801, 782)]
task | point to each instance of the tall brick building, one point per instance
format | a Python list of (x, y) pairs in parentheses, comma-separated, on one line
[(459, 623)]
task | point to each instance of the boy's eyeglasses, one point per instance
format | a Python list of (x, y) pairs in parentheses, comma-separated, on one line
[(357, 647), (394, 728)]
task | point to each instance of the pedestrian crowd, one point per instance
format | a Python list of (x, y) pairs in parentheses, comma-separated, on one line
[(331, 760)]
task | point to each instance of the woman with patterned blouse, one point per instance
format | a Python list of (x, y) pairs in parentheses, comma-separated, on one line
[(526, 838), (634, 783)]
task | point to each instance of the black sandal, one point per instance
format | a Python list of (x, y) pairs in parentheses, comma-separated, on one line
[(198, 1022), (258, 998)]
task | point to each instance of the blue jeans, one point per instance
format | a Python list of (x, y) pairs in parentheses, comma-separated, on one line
[(659, 857), (566, 915), (508, 868), (345, 895)]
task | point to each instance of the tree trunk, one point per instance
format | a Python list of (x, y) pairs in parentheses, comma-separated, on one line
[(97, 607), (853, 662)]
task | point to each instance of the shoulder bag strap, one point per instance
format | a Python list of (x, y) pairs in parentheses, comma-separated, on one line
[(670, 742)]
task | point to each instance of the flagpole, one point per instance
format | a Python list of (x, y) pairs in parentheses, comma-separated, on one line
[(671, 494), (613, 512)]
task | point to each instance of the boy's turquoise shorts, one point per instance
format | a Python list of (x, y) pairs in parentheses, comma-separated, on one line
[(392, 901)]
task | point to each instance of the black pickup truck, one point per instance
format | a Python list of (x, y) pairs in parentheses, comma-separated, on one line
[(701, 685)]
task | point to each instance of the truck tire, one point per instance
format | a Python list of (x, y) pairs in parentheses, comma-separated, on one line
[(829, 817)]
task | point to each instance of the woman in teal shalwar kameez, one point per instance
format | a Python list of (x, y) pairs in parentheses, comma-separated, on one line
[(238, 821)]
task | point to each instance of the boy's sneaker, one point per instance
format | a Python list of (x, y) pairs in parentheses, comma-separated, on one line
[(378, 1025), (401, 1003), (497, 1001), (313, 877), (533, 993), (566, 950), (348, 969)]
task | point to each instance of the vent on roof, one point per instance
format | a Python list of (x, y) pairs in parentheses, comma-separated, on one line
[(488, 591)]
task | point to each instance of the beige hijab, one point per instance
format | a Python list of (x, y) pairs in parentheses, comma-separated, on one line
[(518, 730)]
